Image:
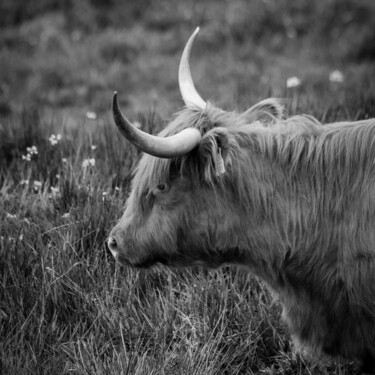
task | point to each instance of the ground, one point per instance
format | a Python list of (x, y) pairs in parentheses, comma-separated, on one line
[(65, 307)]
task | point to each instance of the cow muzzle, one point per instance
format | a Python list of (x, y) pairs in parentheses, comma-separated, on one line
[(113, 246)]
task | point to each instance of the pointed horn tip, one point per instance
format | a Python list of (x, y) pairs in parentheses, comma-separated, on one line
[(114, 100), (195, 33)]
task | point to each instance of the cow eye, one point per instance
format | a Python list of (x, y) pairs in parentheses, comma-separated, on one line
[(162, 187)]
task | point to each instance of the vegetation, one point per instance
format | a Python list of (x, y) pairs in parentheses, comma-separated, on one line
[(65, 307)]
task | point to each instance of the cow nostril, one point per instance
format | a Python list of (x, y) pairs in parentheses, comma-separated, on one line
[(112, 244)]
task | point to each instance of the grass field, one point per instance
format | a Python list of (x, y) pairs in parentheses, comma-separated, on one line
[(65, 306)]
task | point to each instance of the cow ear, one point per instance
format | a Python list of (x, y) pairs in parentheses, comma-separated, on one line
[(267, 112), (213, 154)]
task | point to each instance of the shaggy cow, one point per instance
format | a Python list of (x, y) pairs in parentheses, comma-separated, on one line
[(291, 199)]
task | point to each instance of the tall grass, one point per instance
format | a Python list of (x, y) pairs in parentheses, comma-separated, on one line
[(65, 307)]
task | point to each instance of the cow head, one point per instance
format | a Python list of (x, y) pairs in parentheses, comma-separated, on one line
[(185, 204)]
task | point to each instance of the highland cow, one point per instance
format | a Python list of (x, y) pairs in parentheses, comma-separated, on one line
[(290, 198)]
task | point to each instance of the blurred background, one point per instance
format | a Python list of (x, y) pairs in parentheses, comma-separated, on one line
[(66, 57)]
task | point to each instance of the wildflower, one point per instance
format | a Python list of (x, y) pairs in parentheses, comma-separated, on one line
[(37, 185), (55, 191), (88, 162), (336, 76), (54, 139), (293, 82), (64, 160), (30, 152), (24, 182), (66, 215), (117, 188), (26, 157), (10, 216), (91, 115), (93, 147)]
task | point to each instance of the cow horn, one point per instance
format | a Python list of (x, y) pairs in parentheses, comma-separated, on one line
[(188, 92), (168, 147)]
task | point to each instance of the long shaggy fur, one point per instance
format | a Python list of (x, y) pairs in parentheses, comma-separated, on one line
[(296, 204)]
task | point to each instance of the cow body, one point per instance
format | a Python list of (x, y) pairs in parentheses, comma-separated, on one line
[(291, 199)]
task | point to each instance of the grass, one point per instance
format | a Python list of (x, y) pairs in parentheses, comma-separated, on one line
[(65, 307)]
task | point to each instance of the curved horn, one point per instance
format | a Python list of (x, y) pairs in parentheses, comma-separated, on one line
[(187, 88), (168, 147)]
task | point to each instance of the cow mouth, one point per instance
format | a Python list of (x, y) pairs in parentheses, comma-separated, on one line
[(140, 263)]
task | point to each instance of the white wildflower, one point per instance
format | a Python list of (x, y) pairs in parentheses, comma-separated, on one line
[(117, 188), (66, 215), (37, 185), (30, 152), (24, 182), (336, 76), (54, 139), (88, 162), (93, 147), (11, 216), (293, 82), (26, 157), (64, 160), (91, 115)]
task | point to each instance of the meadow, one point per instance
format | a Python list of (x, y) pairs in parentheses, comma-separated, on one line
[(65, 306)]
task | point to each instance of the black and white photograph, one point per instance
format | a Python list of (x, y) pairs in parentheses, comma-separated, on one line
[(187, 187)]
